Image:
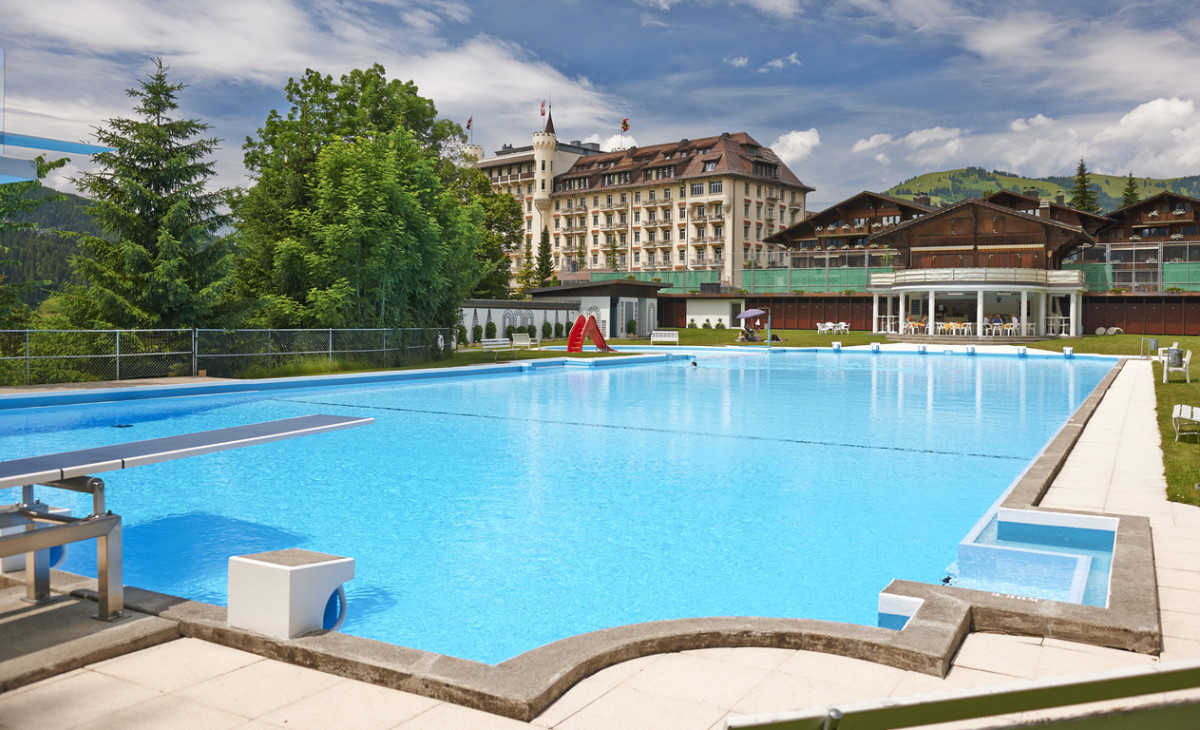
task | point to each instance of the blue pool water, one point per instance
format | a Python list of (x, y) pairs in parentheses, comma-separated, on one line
[(491, 515)]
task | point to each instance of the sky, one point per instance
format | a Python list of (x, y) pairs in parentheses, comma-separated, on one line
[(852, 94)]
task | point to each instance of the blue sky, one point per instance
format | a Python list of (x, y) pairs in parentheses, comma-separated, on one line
[(853, 94)]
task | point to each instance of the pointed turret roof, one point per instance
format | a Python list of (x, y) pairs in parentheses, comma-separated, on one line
[(549, 122)]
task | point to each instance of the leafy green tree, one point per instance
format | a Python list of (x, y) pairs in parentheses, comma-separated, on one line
[(1129, 194), (611, 252), (315, 209), (501, 235), (15, 200), (1083, 197), (160, 263), (545, 260)]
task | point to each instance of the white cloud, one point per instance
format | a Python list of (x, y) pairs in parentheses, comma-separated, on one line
[(777, 9), (1034, 122), (882, 159), (932, 135), (1152, 121), (875, 140), (613, 141), (737, 61), (796, 145), (792, 59)]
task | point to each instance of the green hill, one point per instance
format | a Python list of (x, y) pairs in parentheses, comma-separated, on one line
[(952, 186), (41, 254)]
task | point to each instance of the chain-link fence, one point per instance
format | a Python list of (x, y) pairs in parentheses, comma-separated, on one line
[(73, 356), (241, 353)]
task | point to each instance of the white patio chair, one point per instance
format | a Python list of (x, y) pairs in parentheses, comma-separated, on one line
[(1186, 368), (1185, 418), (823, 328), (841, 328)]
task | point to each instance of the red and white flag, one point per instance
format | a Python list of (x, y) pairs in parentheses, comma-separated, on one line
[(469, 121), (543, 108)]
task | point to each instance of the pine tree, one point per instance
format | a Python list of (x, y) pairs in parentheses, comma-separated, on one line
[(527, 273), (545, 264), (15, 200), (1082, 195), (1129, 195), (159, 264)]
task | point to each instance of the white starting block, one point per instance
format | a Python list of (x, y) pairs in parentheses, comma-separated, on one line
[(284, 593)]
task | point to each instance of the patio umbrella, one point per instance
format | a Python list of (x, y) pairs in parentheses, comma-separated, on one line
[(750, 313)]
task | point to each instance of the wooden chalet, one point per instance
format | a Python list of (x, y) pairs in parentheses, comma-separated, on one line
[(850, 223), (1164, 217), (969, 263)]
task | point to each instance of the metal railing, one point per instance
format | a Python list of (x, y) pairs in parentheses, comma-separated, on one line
[(71, 356), (1006, 276)]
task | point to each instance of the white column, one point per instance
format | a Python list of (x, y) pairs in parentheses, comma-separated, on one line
[(1021, 311), (1076, 320), (874, 313), (889, 309), (930, 328), (979, 313), (902, 317), (1042, 308)]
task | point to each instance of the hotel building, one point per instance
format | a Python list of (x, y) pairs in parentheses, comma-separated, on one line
[(693, 205)]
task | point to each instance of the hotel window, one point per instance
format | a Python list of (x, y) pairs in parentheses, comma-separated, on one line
[(529, 189), (666, 193), (528, 206), (758, 211), (746, 231), (595, 200), (637, 236), (608, 219), (624, 219), (667, 236), (715, 186), (746, 209), (622, 259), (595, 239), (623, 198), (637, 197), (758, 190), (595, 259), (683, 191), (650, 196), (556, 205), (650, 236), (682, 256), (697, 188), (637, 216), (622, 237), (718, 232), (650, 258), (556, 224), (595, 219), (529, 225), (637, 257), (710, 167), (543, 165), (608, 200), (747, 188)]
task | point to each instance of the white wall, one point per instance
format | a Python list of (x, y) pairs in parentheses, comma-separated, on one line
[(517, 314), (714, 310)]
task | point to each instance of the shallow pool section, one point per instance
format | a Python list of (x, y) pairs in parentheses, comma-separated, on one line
[(491, 514), (1047, 555)]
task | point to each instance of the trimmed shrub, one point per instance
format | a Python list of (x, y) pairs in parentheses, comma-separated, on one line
[(461, 334), (489, 331), (508, 331), (547, 330), (692, 324), (707, 324), (631, 327), (476, 333), (558, 330), (720, 325)]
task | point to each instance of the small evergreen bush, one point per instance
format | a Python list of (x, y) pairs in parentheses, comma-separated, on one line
[(476, 333), (508, 331), (490, 331), (461, 334), (547, 330), (558, 330), (692, 324), (631, 327), (707, 324)]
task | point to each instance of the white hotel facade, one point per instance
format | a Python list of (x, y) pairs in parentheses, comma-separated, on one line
[(702, 204)]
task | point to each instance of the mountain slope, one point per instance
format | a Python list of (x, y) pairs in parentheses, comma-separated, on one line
[(952, 186), (41, 254)]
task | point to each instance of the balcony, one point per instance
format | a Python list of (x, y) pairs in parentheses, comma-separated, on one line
[(614, 226), (612, 206), (1035, 277)]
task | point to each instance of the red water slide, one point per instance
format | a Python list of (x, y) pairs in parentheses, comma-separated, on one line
[(586, 328)]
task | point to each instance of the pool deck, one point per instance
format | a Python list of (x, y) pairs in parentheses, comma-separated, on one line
[(1115, 467)]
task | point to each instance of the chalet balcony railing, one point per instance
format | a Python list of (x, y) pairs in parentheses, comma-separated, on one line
[(1037, 277)]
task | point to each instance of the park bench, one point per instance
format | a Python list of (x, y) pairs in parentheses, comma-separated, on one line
[(498, 345), (72, 470), (664, 336), (520, 339)]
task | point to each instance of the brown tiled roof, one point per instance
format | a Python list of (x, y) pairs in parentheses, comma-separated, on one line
[(734, 154), (1012, 195), (503, 160), (1120, 212), (806, 228)]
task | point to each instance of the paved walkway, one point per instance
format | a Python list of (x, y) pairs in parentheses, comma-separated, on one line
[(1116, 467)]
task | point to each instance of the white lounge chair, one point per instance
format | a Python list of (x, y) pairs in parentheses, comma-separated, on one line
[(1186, 368), (1185, 418)]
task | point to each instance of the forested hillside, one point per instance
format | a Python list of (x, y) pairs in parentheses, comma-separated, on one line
[(952, 186), (41, 254)]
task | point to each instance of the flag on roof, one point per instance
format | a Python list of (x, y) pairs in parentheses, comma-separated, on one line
[(625, 124), (469, 121), (543, 108)]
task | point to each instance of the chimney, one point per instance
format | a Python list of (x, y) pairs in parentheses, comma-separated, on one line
[(1031, 192), (921, 198), (1059, 198), (1044, 204)]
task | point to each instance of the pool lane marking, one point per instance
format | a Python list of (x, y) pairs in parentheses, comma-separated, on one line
[(648, 429)]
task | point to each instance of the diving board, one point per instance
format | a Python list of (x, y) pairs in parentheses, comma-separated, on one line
[(72, 470)]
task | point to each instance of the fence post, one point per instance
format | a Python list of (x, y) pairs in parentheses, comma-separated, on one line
[(118, 354), (195, 355), (26, 357), (268, 349), (331, 349)]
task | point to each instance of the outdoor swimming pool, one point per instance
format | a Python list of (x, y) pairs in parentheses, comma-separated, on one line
[(492, 514)]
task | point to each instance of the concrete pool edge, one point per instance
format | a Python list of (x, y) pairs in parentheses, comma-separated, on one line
[(522, 687)]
